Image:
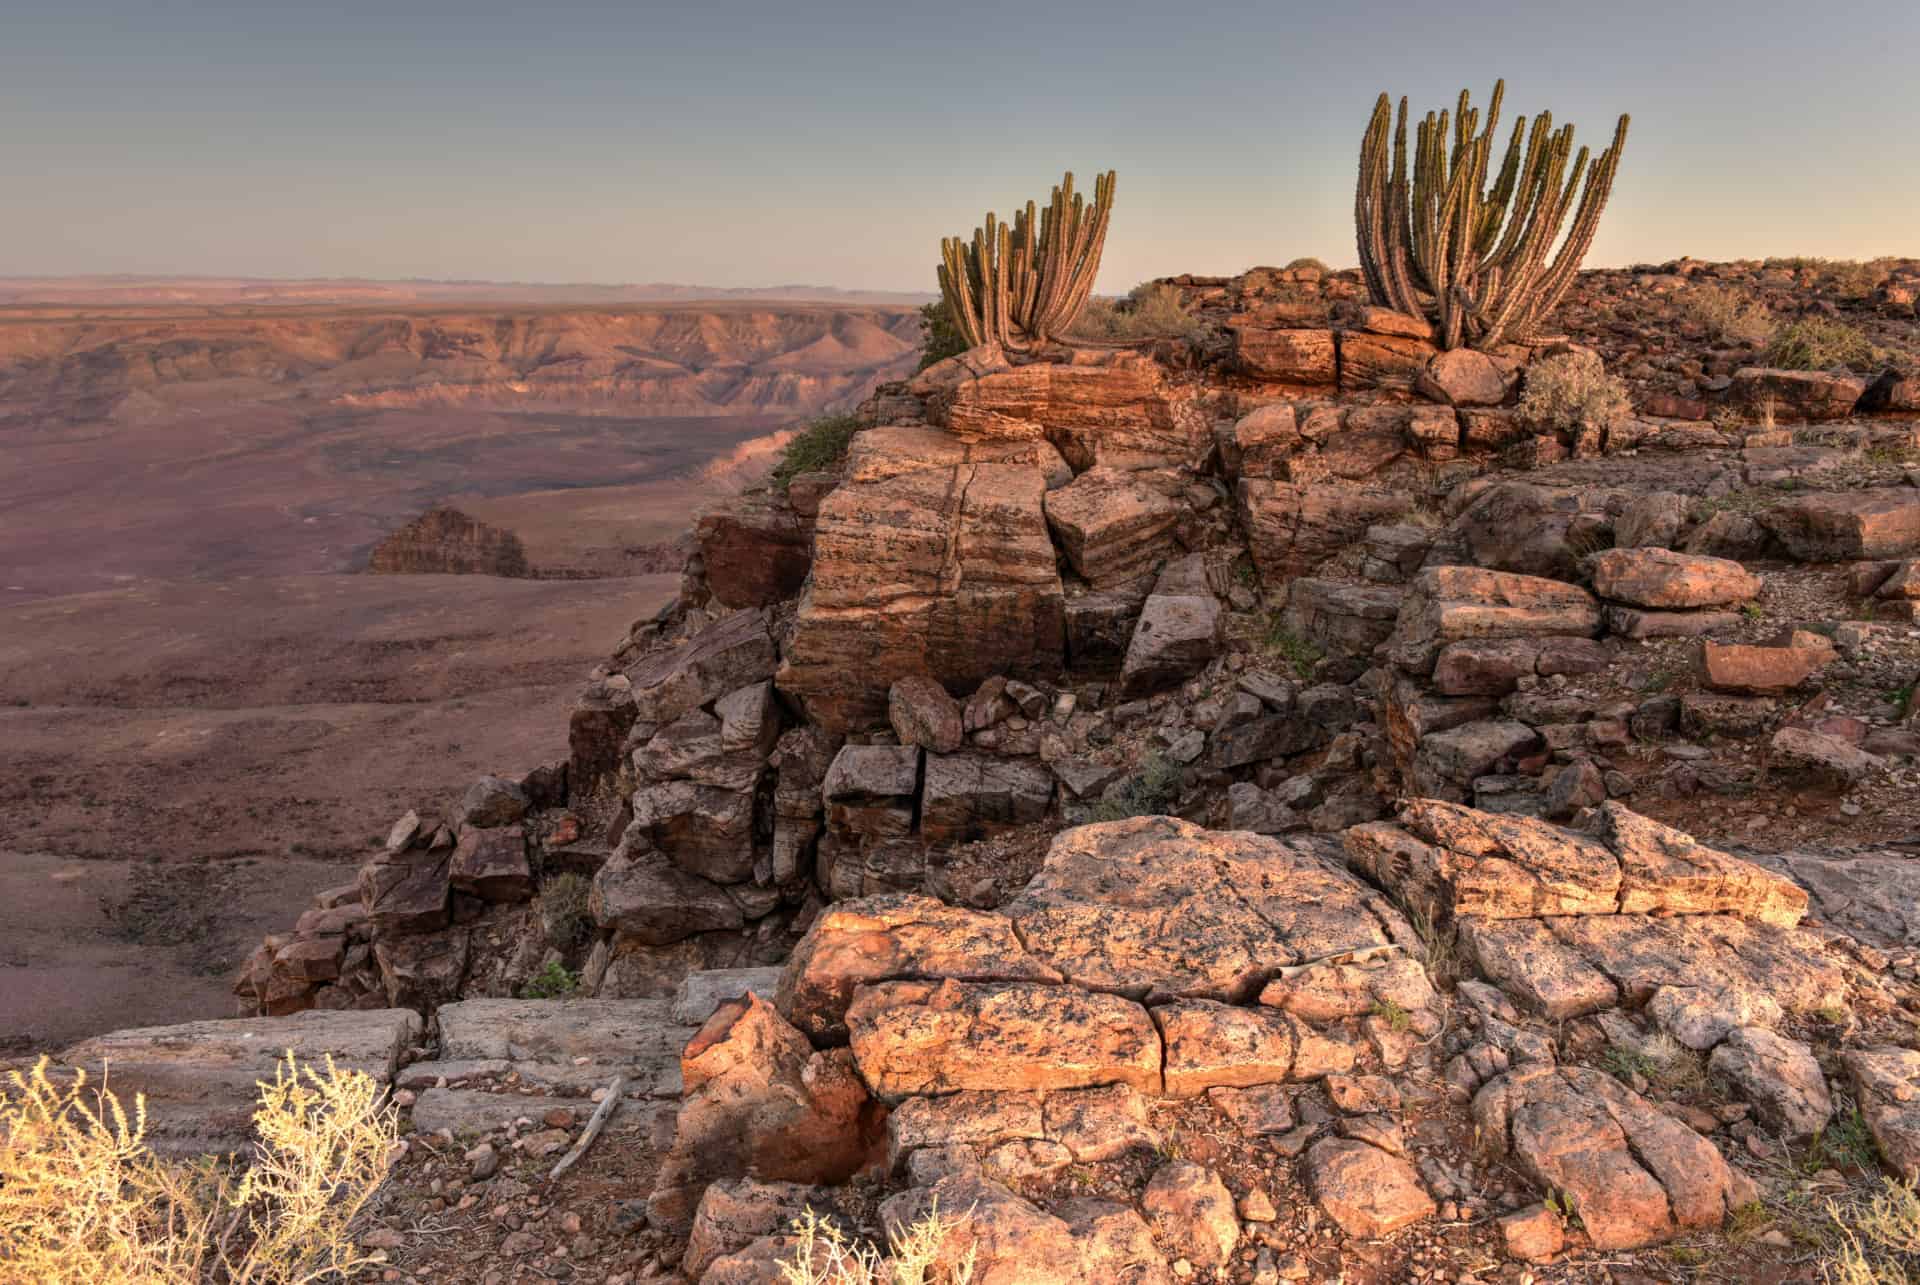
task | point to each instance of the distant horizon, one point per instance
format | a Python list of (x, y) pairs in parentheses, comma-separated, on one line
[(815, 286)]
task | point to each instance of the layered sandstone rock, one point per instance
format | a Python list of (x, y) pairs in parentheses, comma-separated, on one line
[(947, 573), (1110, 408)]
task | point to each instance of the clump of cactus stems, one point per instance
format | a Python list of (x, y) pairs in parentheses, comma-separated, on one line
[(1022, 286), (1472, 258)]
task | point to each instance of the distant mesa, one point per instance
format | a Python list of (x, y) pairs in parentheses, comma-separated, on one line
[(444, 541)]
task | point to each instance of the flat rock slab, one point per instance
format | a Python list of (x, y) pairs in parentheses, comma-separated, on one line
[(1092, 1124), (705, 989), (1455, 861), (1568, 965), (635, 1037), (1663, 579), (200, 1078), (1634, 1175), (1158, 908), (559, 1079), (1368, 1191)]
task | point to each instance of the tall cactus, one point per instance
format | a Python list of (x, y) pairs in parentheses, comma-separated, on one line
[(1473, 258), (1024, 285)]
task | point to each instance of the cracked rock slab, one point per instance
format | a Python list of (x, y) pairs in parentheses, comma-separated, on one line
[(1158, 908), (1633, 1174), (922, 1037), (1569, 965)]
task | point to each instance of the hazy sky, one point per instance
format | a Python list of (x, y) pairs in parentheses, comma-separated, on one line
[(749, 142)]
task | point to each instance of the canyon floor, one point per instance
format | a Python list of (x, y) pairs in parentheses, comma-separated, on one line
[(196, 676)]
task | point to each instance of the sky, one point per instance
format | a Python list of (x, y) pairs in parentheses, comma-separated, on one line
[(833, 142)]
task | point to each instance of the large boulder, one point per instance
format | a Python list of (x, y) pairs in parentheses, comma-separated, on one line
[(644, 897), (1846, 526), (1286, 356), (1886, 1080), (1173, 639), (1467, 377), (922, 713), (1193, 1212), (1780, 1077), (1648, 577), (1393, 362), (760, 1101), (945, 572), (1368, 1191), (975, 796), (727, 655)]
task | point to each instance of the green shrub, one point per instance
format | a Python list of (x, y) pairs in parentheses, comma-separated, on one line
[(1150, 791), (1815, 343), (555, 981), (1308, 262), (1728, 316), (1572, 391), (1152, 310), (819, 446), (939, 337)]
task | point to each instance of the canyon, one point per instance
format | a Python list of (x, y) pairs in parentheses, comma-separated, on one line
[(195, 668)]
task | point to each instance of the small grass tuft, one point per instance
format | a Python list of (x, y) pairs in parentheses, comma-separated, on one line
[(1150, 791), (1843, 1143), (1876, 1240), (1728, 316), (1154, 310), (1396, 1017), (83, 1198), (564, 913), (1283, 644)]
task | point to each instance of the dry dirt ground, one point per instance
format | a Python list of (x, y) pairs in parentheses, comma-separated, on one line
[(239, 746)]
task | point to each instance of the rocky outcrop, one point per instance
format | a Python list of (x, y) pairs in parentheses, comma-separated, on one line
[(444, 541)]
